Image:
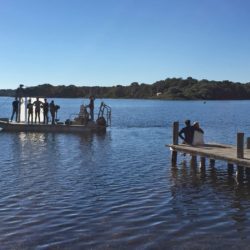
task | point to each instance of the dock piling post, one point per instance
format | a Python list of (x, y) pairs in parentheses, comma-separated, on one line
[(230, 168), (175, 140), (175, 132), (203, 161), (212, 163), (193, 161), (240, 173), (247, 172), (240, 145), (248, 142)]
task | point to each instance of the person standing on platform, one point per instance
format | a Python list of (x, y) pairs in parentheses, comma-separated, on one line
[(45, 111), (19, 95), (52, 108), (15, 109), (30, 111), (91, 107), (38, 104)]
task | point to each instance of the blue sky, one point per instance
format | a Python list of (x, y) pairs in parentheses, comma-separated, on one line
[(110, 42)]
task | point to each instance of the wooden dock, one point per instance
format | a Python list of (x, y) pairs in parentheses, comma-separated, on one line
[(238, 155), (213, 151)]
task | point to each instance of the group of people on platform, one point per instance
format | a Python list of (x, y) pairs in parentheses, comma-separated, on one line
[(39, 105), (192, 134), (46, 108)]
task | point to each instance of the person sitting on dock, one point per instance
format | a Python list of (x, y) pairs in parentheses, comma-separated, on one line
[(187, 133), (30, 111), (15, 107), (38, 104), (198, 138)]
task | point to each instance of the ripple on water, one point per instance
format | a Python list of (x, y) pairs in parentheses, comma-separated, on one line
[(119, 191)]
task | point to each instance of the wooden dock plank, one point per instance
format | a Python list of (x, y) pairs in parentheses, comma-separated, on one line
[(215, 151)]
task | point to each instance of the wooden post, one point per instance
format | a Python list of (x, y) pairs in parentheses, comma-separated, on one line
[(193, 161), (240, 145), (247, 171), (175, 132), (203, 161), (230, 168), (248, 142), (175, 141), (212, 162), (240, 173)]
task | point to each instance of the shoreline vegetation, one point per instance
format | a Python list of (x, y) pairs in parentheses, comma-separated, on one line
[(168, 89)]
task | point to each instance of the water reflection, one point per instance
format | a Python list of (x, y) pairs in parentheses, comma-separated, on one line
[(55, 144), (51, 181), (216, 174), (59, 160), (219, 180), (210, 199), (35, 137)]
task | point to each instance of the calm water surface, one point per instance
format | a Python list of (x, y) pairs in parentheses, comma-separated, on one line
[(119, 190)]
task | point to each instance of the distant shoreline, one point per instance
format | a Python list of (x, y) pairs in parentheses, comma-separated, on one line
[(169, 89)]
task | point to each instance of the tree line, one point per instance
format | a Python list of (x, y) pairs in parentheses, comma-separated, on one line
[(170, 89)]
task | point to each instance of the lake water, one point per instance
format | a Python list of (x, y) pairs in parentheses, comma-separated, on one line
[(119, 190)]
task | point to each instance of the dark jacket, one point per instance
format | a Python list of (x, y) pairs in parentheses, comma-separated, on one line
[(187, 134)]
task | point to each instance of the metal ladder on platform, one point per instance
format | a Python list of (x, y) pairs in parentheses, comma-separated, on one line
[(105, 111)]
